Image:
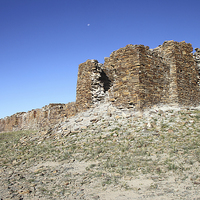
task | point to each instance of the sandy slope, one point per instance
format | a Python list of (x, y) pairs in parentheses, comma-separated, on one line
[(106, 153)]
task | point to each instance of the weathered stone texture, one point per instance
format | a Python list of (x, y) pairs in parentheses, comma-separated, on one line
[(133, 77), (184, 89), (197, 58), (139, 76), (92, 84), (142, 77), (153, 79), (84, 84), (36, 119), (122, 68)]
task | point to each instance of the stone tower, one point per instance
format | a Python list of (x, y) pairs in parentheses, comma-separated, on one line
[(138, 77), (132, 77), (92, 84)]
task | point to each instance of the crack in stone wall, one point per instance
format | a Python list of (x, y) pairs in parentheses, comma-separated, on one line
[(92, 84), (100, 83)]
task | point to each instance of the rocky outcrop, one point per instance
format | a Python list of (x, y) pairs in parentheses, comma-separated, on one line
[(132, 77)]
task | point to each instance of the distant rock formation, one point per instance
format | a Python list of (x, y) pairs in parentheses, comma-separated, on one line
[(134, 77)]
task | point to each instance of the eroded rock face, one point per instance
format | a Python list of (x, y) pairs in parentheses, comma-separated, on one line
[(132, 77)]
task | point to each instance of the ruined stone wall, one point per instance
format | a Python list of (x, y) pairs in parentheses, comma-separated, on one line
[(197, 59), (143, 77), (133, 77), (84, 85), (92, 84), (122, 68), (154, 79), (184, 89), (36, 119), (140, 77), (187, 87)]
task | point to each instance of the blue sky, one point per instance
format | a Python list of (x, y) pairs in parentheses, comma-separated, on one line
[(42, 42)]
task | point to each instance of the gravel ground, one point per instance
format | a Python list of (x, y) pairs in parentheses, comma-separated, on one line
[(106, 153)]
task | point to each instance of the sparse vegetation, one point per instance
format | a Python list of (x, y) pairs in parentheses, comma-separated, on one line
[(170, 144)]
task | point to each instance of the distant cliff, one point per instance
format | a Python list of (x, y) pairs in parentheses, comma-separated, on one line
[(134, 77)]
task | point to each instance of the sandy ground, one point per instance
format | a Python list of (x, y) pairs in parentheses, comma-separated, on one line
[(108, 154)]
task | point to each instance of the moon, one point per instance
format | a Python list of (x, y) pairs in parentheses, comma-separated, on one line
[(88, 24)]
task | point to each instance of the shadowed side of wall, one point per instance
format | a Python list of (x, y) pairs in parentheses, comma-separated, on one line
[(92, 85), (143, 77)]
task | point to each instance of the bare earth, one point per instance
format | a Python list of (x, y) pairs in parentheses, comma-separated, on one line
[(106, 153)]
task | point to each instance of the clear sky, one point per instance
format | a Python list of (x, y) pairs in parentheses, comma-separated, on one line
[(42, 42)]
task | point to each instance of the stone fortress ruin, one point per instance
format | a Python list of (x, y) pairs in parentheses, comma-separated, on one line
[(133, 77)]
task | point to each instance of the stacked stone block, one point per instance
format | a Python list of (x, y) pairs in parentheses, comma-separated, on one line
[(133, 77), (36, 119), (142, 77), (122, 68), (197, 59), (92, 84), (84, 85), (153, 79), (183, 89)]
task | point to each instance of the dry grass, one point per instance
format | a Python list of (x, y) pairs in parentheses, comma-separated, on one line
[(169, 143)]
